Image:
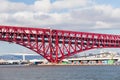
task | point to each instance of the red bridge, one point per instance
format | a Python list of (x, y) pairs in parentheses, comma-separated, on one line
[(55, 45)]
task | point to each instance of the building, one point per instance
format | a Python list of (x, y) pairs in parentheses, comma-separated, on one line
[(106, 58)]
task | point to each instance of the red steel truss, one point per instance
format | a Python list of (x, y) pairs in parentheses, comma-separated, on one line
[(55, 45)]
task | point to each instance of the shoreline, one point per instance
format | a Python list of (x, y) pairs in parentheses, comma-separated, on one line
[(38, 65), (75, 65)]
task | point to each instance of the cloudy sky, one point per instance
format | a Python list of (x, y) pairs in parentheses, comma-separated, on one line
[(102, 16)]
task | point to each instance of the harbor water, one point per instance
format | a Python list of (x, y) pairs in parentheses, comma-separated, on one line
[(8, 72)]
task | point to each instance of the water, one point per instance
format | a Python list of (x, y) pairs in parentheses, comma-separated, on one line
[(59, 72)]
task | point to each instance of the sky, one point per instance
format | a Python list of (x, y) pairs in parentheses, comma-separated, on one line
[(100, 16)]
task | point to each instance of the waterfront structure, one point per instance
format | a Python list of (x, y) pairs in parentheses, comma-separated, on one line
[(3, 61), (56, 45), (105, 58)]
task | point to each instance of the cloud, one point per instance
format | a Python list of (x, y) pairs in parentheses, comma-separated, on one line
[(80, 15), (68, 4), (42, 6), (8, 7), (102, 25)]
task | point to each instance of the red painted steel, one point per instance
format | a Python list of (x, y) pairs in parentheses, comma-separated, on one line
[(55, 45)]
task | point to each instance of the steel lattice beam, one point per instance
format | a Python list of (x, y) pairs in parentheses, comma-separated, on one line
[(55, 45)]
